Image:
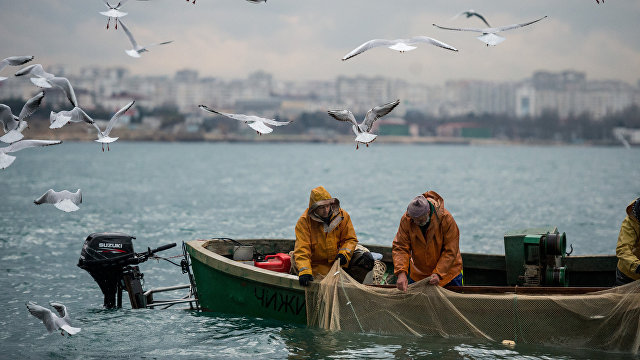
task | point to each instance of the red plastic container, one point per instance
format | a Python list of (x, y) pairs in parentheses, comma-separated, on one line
[(279, 262)]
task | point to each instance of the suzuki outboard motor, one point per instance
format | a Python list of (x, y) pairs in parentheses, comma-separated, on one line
[(109, 259)]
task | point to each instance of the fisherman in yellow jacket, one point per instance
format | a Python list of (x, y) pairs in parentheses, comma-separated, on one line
[(426, 245), (628, 248), (324, 234)]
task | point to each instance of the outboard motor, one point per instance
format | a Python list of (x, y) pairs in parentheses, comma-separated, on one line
[(109, 258)]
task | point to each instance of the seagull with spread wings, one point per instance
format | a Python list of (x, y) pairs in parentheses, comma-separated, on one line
[(64, 200), (6, 160), (14, 61), (400, 45), (363, 130), (47, 80), (489, 36), (14, 125), (52, 321), (103, 136), (469, 13), (137, 49), (257, 123)]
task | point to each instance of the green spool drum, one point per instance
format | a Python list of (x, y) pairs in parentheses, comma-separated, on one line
[(555, 276), (555, 244)]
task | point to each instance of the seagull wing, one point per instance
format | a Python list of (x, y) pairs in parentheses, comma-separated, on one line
[(50, 197), (460, 29), (116, 117), (481, 18), (274, 122), (43, 314), (260, 127), (23, 144), (15, 61), (428, 40), (378, 112), (31, 106), (239, 117), (4, 63), (36, 70), (6, 117), (64, 84), (368, 45), (156, 44), (129, 35), (515, 26), (61, 309), (343, 115)]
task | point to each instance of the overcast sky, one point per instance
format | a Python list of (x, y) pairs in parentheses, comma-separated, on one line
[(305, 39)]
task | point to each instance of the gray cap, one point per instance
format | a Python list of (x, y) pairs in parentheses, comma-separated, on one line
[(419, 206)]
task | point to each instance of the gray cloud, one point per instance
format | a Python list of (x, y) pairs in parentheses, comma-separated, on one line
[(305, 39)]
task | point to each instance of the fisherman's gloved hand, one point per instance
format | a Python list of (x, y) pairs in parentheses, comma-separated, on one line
[(342, 258), (367, 260), (305, 279)]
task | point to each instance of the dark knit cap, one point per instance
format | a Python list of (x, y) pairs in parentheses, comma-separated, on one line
[(419, 206), (636, 209)]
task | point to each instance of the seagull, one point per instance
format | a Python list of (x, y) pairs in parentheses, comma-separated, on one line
[(137, 49), (63, 200), (52, 321), (258, 124), (363, 129), (14, 125), (489, 34), (469, 13), (14, 61), (114, 11), (400, 45), (103, 136), (6, 160), (61, 118), (46, 80)]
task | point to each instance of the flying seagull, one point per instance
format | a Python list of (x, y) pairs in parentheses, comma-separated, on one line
[(52, 321), (103, 136), (63, 200), (61, 118), (362, 130), (6, 160), (14, 61), (14, 125), (258, 124), (489, 36), (400, 45), (46, 80), (137, 49), (114, 11), (469, 13)]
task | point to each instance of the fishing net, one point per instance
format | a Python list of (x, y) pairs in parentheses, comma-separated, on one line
[(606, 320)]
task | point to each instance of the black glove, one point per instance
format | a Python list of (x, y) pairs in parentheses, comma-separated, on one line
[(305, 279), (367, 260), (342, 258), (638, 270)]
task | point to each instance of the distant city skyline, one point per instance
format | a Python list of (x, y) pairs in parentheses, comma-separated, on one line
[(304, 40)]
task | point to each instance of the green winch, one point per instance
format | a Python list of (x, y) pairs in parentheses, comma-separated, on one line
[(536, 257)]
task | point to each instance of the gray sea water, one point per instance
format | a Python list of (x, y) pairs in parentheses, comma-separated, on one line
[(174, 192)]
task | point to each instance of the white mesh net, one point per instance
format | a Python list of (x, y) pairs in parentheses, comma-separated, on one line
[(604, 320)]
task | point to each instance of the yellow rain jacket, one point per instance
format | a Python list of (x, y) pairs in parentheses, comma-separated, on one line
[(438, 253), (628, 248), (318, 243)]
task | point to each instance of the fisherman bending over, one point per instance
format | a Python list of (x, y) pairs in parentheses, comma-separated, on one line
[(427, 244)]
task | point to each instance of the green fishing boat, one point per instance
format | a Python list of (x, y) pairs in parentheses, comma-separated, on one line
[(535, 262)]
